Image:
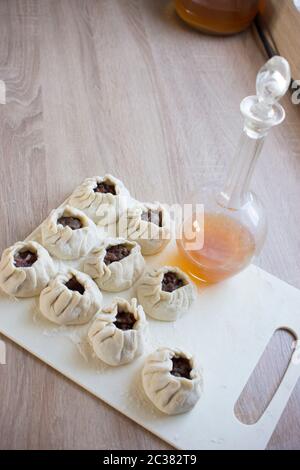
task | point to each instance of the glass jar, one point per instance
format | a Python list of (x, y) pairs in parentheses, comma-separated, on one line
[(218, 16)]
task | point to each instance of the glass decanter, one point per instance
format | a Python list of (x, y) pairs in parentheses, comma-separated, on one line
[(222, 239)]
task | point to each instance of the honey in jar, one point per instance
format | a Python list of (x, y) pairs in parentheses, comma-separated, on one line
[(218, 16)]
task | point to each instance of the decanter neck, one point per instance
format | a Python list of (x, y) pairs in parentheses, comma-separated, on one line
[(236, 189)]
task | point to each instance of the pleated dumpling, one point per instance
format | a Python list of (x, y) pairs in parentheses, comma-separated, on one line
[(115, 265), (165, 293), (149, 225), (102, 198), (118, 333), (71, 298), (172, 381), (25, 269), (68, 233)]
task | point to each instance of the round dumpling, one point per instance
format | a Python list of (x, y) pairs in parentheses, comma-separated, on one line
[(117, 335), (25, 269), (171, 381), (68, 233), (149, 225), (70, 299), (116, 264), (102, 198), (165, 293)]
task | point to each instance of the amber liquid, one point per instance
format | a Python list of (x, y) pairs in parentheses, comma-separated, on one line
[(218, 16), (227, 249)]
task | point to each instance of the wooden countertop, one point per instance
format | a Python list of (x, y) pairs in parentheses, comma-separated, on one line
[(123, 86)]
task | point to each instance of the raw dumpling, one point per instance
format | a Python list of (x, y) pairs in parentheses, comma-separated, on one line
[(70, 299), (171, 381), (68, 233), (149, 225), (102, 198), (117, 334), (166, 293), (116, 264), (25, 269)]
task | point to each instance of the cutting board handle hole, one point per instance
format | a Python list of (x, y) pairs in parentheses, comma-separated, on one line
[(266, 377)]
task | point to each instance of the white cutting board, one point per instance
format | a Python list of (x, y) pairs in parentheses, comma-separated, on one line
[(227, 329)]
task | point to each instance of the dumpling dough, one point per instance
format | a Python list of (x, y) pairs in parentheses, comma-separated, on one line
[(171, 381), (102, 198), (166, 293), (149, 225), (68, 233), (70, 299), (117, 335), (116, 264), (25, 269)]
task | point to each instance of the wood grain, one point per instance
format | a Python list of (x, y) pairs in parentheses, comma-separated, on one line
[(123, 86)]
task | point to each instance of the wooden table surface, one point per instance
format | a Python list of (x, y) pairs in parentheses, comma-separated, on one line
[(123, 86)]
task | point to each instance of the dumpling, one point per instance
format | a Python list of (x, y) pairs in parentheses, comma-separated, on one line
[(115, 265), (149, 225), (117, 335), (171, 381), (166, 293), (70, 299), (68, 233), (102, 198), (25, 269)]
